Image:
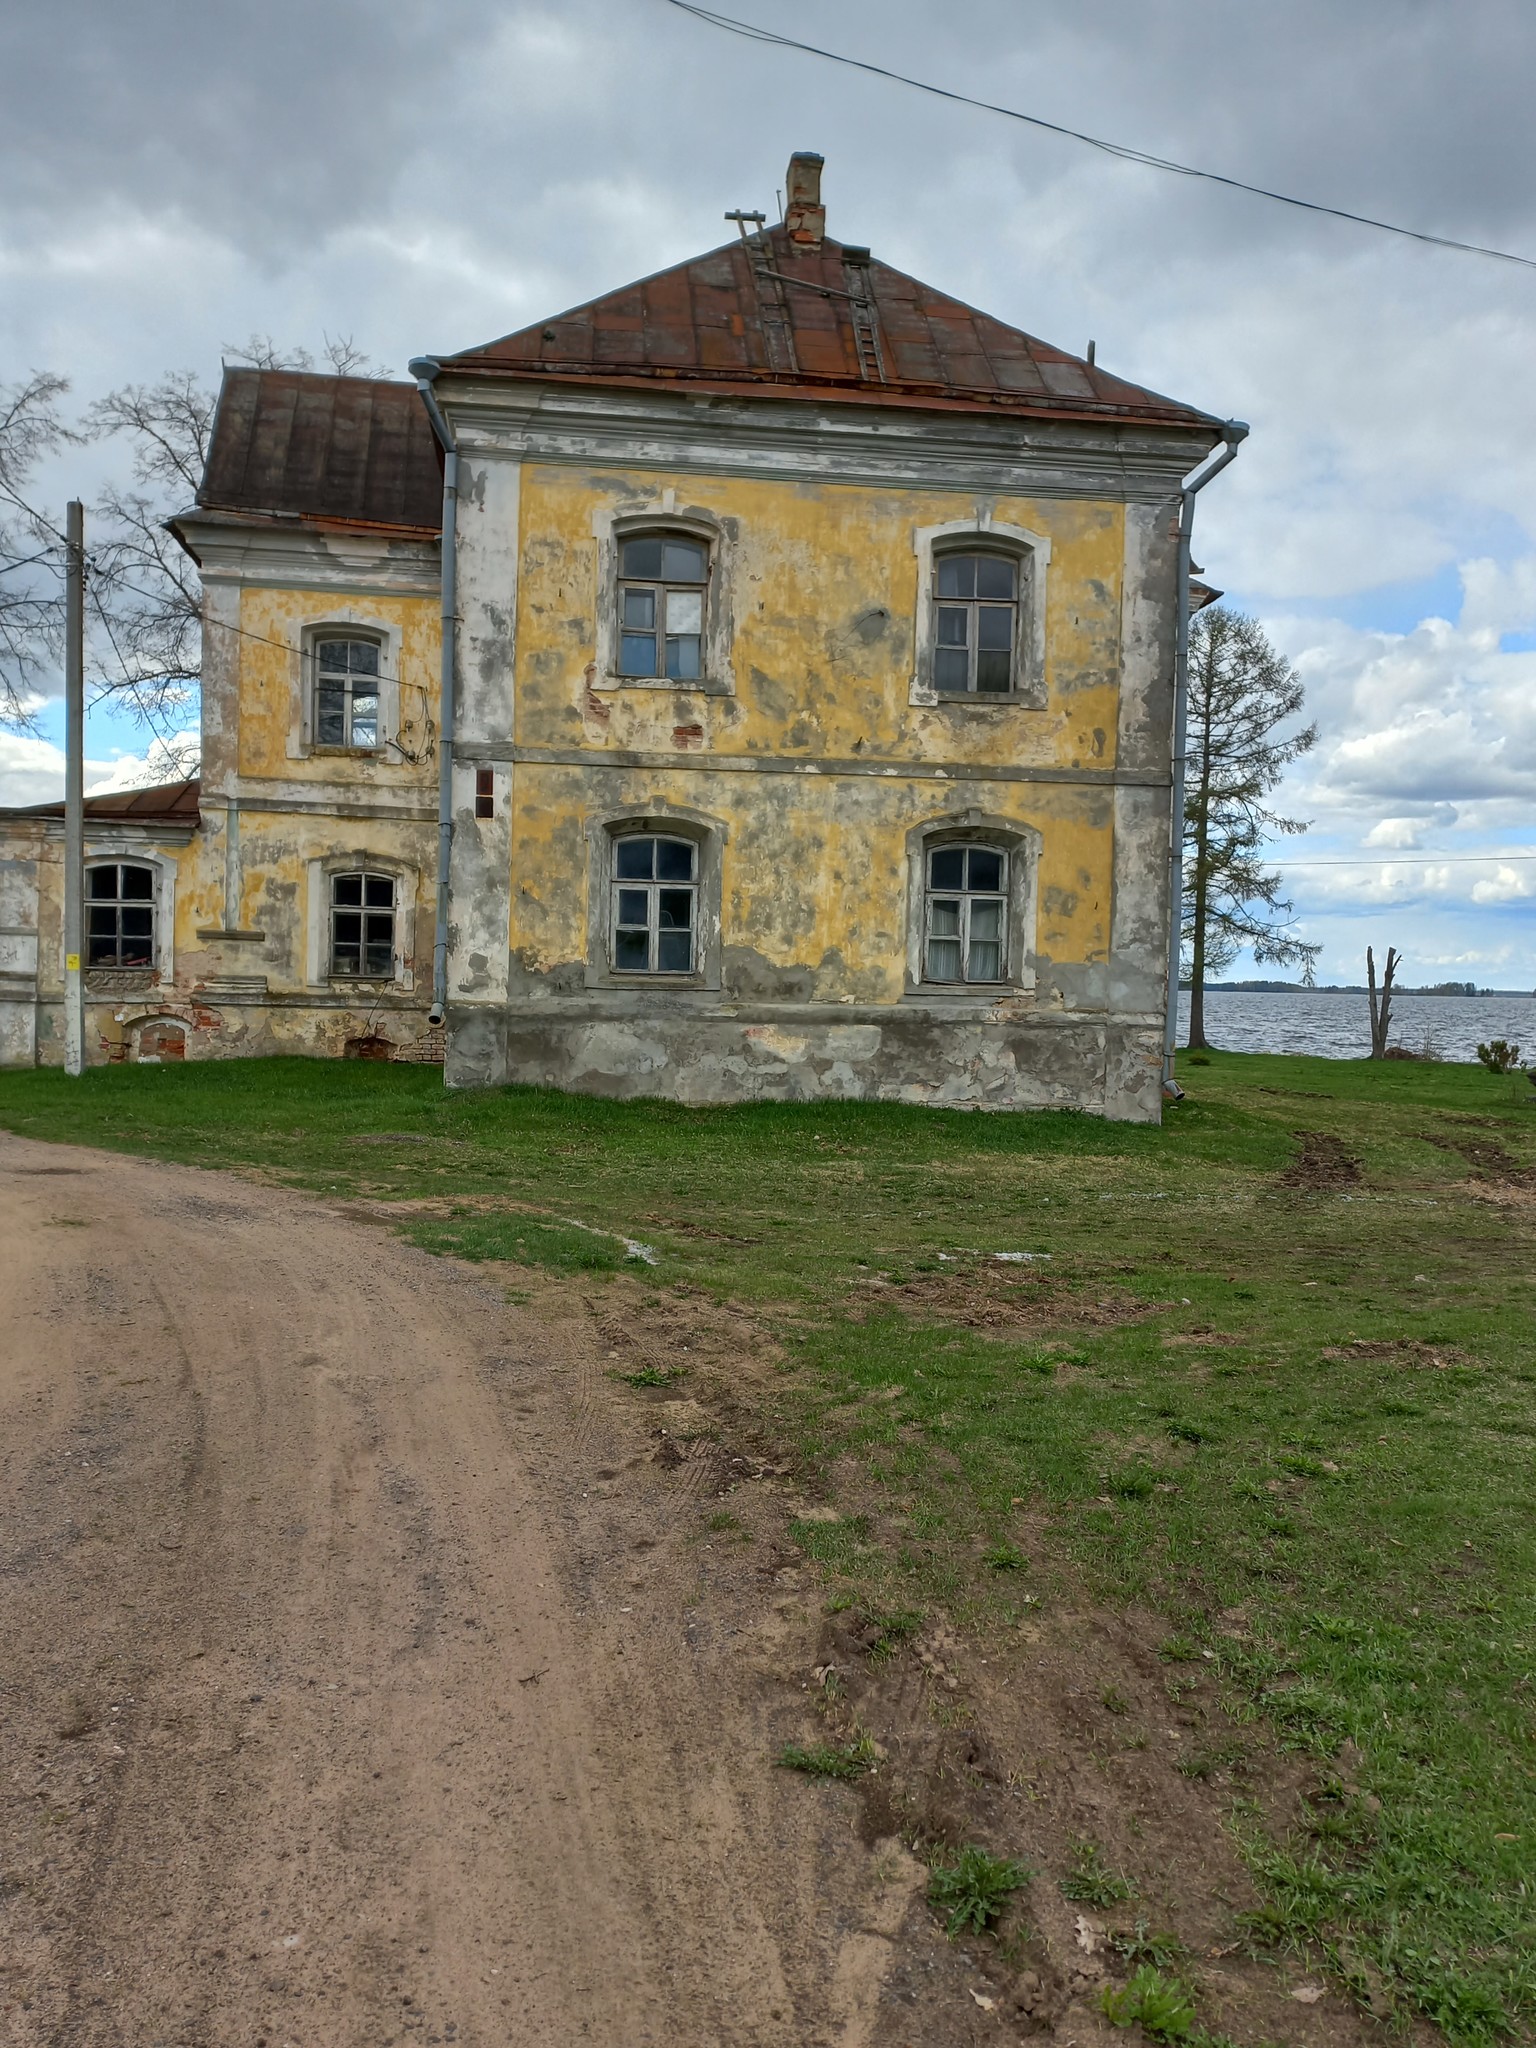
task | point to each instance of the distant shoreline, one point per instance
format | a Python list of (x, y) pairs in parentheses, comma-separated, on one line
[(1350, 988)]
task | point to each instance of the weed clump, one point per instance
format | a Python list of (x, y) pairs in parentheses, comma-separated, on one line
[(1160, 2005), (843, 1761), (969, 1891), (1091, 1882)]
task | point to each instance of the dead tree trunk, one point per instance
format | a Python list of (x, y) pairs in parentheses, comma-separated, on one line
[(1381, 1008)]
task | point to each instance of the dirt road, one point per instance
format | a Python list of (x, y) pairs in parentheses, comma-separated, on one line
[(367, 1678)]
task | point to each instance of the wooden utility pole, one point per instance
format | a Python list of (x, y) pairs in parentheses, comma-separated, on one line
[(74, 791)]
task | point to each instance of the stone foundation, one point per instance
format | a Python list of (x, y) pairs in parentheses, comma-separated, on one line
[(816, 1053)]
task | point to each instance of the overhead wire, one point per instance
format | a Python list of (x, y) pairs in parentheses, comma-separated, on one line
[(754, 32)]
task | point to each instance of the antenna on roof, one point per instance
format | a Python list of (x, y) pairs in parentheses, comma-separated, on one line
[(1092, 350)]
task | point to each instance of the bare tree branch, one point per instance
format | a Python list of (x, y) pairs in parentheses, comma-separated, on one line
[(31, 559)]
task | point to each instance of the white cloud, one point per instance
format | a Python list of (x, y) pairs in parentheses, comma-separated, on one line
[(32, 769)]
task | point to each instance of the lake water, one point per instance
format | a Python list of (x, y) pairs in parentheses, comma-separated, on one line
[(1338, 1027)]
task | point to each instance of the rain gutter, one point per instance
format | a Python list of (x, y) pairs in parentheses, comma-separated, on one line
[(426, 370), (1234, 433)]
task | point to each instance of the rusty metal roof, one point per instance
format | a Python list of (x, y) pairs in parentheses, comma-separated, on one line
[(828, 322), (358, 450), (172, 803)]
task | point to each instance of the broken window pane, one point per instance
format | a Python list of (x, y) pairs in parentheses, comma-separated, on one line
[(674, 909), (363, 926), (685, 611), (347, 889), (378, 889), (101, 882), (135, 882), (365, 721)]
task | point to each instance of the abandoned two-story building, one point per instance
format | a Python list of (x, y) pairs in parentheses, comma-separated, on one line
[(810, 642)]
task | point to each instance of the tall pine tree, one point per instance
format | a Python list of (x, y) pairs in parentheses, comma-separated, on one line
[(1241, 692)]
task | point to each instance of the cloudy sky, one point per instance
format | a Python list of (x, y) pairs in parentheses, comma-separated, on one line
[(425, 178)]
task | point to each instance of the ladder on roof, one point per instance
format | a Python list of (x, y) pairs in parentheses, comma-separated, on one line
[(768, 289), (866, 335)]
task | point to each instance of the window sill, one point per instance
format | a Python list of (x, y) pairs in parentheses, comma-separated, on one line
[(653, 984), (695, 686), (965, 992), (348, 753), (975, 700)]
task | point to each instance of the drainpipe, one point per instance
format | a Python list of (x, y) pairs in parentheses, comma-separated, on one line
[(426, 370), (1234, 433)]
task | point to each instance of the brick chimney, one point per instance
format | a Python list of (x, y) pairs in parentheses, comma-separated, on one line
[(804, 215)]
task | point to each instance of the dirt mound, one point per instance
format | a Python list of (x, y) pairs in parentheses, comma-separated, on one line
[(1322, 1164)]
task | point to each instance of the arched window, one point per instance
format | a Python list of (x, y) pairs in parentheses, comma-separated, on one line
[(662, 591), (976, 611), (965, 922), (655, 904), (347, 676), (362, 926), (120, 915)]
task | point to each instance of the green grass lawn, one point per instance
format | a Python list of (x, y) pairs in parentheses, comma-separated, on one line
[(1308, 1397)]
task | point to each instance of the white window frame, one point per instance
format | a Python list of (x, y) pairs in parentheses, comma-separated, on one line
[(661, 821), (651, 889), (360, 860), (1020, 844), (983, 535), (101, 853), (718, 537), (363, 910), (966, 898), (347, 623)]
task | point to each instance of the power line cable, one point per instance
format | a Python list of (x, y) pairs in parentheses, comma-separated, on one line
[(754, 33), (1407, 860)]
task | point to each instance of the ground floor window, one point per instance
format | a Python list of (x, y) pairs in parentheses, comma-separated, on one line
[(120, 915), (967, 914), (363, 926), (655, 904)]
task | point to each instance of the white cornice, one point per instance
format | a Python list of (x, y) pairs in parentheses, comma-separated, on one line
[(233, 550), (806, 441)]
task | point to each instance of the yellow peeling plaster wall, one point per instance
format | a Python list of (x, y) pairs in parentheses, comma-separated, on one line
[(822, 652)]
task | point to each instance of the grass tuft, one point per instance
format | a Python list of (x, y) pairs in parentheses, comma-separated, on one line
[(1160, 2005), (1091, 1882), (844, 1761)]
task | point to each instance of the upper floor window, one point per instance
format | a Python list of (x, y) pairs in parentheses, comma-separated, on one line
[(655, 904), (346, 692), (976, 624), (363, 926), (966, 921), (120, 916), (663, 579)]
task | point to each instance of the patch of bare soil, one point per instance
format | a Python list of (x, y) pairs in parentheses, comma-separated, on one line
[(1492, 1160), (387, 1663), (1003, 1299), (1322, 1164), (1409, 1351)]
